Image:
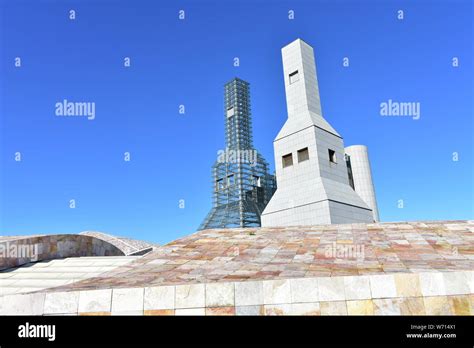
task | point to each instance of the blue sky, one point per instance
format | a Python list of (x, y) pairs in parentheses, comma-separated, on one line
[(187, 62)]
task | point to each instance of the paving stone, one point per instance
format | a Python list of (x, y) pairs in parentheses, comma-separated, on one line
[(412, 306), (305, 309), (190, 296), (432, 284), (276, 291), (407, 285), (333, 308), (159, 298), (220, 294), (127, 301), (22, 304), (190, 311), (331, 289), (460, 305), (357, 288), (61, 303), (304, 290), (220, 311), (249, 310), (360, 307), (386, 306), (248, 293), (437, 305), (382, 286), (95, 300), (278, 309), (456, 283), (159, 312)]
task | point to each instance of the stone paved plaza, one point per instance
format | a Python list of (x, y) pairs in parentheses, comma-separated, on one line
[(381, 268), (47, 274)]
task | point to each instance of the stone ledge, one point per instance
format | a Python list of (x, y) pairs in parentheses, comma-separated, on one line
[(425, 293)]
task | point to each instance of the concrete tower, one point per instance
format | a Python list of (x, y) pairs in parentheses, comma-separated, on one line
[(362, 176), (242, 185), (311, 172)]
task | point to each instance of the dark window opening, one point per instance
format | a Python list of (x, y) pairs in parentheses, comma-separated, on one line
[(294, 76), (349, 171), (303, 155), (332, 156), (287, 160), (257, 181)]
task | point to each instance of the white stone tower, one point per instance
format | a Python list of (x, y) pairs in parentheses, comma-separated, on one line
[(312, 178), (362, 176)]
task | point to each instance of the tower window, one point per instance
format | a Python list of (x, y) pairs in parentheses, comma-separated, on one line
[(287, 160), (230, 111), (219, 184), (332, 156), (303, 155), (349, 170), (256, 181), (294, 76)]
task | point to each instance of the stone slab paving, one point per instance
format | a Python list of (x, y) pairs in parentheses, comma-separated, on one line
[(46, 274), (407, 268), (298, 252)]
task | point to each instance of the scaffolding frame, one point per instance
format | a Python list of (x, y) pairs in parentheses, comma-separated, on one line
[(241, 188)]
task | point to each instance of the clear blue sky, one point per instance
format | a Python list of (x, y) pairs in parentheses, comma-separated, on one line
[(187, 62)]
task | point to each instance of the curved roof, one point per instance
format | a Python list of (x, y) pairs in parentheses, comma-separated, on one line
[(127, 245)]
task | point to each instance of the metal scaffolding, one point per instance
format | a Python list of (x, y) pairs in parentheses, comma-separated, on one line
[(242, 186)]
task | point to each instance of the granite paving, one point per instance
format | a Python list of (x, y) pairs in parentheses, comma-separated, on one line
[(251, 254)]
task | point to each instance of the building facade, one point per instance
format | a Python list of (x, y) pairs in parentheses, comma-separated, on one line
[(242, 185), (315, 183)]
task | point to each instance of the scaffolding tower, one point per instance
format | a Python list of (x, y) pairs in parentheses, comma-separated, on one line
[(242, 185)]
